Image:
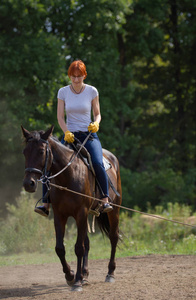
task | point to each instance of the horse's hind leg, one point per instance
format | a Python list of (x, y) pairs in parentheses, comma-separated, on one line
[(60, 249), (114, 236)]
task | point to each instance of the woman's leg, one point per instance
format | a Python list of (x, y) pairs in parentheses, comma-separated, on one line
[(95, 149)]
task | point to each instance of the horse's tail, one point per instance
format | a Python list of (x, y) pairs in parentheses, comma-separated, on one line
[(103, 223)]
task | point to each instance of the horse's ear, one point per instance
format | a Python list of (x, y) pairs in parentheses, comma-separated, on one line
[(25, 132), (46, 134)]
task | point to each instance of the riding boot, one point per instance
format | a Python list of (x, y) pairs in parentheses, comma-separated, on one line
[(42, 210)]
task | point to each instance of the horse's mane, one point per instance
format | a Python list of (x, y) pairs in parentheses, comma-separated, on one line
[(36, 136), (54, 138)]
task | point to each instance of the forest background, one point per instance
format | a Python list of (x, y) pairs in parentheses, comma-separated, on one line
[(140, 54)]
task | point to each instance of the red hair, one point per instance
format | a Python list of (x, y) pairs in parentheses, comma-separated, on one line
[(77, 66)]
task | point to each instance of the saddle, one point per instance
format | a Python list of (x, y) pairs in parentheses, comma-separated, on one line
[(86, 157)]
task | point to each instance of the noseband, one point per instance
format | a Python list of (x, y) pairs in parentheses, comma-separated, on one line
[(34, 170)]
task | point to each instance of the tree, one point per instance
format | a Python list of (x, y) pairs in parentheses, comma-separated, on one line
[(161, 42), (30, 59)]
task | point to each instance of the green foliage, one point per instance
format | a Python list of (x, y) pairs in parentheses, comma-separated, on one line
[(157, 187), (149, 235), (163, 76), (30, 60), (26, 232)]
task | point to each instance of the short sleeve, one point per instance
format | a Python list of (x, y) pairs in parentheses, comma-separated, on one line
[(61, 94), (95, 92)]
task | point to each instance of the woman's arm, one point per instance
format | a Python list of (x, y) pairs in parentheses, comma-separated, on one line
[(96, 109), (61, 115)]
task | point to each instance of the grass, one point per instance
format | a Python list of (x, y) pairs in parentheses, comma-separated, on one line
[(27, 238)]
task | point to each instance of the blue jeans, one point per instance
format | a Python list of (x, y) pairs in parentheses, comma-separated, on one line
[(93, 145)]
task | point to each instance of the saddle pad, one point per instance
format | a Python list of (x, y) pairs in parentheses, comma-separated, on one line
[(106, 163)]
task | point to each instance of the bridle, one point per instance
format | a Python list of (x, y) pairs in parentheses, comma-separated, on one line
[(35, 170), (44, 179)]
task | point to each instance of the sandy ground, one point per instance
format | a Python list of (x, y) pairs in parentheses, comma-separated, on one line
[(151, 277)]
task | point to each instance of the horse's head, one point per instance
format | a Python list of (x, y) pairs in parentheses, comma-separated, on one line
[(38, 157)]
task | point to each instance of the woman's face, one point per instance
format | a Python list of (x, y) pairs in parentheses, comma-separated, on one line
[(77, 78)]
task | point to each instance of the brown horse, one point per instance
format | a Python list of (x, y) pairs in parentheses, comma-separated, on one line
[(44, 153)]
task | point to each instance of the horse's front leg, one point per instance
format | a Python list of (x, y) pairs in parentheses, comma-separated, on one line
[(85, 271), (59, 224), (81, 222)]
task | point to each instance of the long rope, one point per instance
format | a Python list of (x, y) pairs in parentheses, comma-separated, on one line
[(120, 206)]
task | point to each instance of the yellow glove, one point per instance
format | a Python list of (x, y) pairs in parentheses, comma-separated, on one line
[(69, 137), (93, 127)]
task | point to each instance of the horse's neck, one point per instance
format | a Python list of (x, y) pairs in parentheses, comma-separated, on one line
[(61, 155)]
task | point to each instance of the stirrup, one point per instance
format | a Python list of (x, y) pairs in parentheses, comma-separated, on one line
[(42, 211), (94, 212)]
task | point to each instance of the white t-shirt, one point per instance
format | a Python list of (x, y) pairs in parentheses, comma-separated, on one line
[(78, 107)]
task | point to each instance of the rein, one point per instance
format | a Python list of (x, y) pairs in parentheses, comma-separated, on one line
[(72, 159)]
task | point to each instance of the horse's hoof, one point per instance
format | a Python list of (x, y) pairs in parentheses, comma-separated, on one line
[(71, 282), (77, 287), (85, 281), (110, 278)]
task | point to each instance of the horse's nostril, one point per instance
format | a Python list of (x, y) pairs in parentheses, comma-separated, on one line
[(32, 183)]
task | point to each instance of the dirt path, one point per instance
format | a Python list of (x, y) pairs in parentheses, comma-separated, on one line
[(150, 277)]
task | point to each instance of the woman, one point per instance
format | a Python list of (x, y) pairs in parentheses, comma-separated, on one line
[(77, 100)]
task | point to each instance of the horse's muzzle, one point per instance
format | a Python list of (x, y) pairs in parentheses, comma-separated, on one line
[(30, 184)]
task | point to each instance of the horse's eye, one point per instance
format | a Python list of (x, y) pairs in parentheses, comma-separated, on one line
[(41, 151)]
